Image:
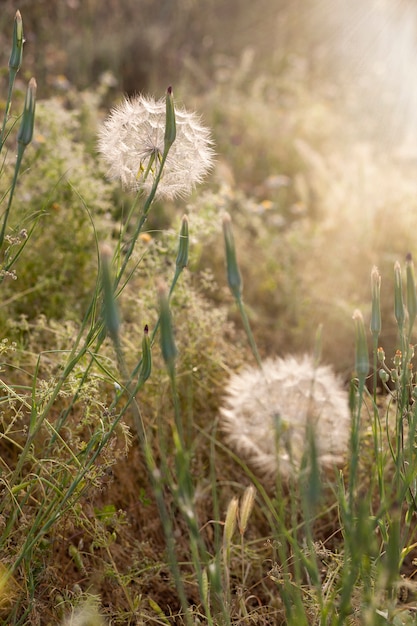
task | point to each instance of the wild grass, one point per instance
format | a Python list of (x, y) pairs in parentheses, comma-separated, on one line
[(120, 500)]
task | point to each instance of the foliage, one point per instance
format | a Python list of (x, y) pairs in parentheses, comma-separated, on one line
[(120, 500)]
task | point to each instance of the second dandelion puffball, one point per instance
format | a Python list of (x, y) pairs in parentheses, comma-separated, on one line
[(131, 142), (266, 411)]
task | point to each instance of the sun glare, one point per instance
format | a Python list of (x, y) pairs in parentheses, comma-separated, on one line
[(375, 45)]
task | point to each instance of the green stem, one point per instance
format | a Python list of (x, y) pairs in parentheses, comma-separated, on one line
[(144, 215), (20, 152), (248, 331), (12, 77)]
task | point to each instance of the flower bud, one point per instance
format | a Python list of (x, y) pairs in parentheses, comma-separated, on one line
[(383, 375), (110, 310), (170, 122), (233, 274), (146, 367), (16, 55), (25, 133), (168, 348), (182, 256)]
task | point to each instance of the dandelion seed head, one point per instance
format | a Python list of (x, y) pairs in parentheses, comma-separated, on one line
[(265, 414), (131, 142)]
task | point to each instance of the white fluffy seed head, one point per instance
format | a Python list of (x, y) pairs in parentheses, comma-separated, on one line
[(266, 412), (131, 142)]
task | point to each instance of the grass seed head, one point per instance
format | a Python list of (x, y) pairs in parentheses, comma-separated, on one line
[(230, 522), (246, 506)]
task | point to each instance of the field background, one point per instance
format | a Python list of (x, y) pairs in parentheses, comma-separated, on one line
[(312, 111), (312, 106)]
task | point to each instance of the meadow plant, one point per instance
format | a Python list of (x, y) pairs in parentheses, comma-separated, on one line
[(289, 419), (24, 138), (266, 411), (66, 416), (73, 459), (269, 411), (132, 142)]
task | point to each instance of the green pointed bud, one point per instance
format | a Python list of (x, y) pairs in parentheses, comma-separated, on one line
[(233, 274), (399, 310), (145, 370), (24, 136), (170, 123), (16, 55), (182, 256), (376, 302), (361, 348), (168, 348), (110, 310), (411, 292), (383, 375)]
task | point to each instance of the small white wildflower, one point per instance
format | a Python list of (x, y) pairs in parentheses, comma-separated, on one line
[(131, 141), (266, 412)]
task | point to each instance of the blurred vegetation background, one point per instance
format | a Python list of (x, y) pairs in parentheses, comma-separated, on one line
[(312, 107), (145, 43)]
